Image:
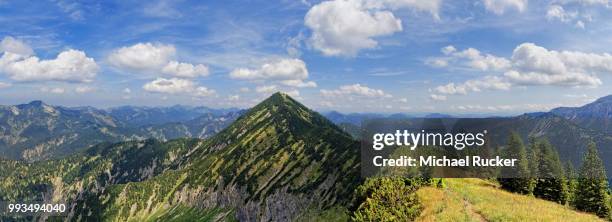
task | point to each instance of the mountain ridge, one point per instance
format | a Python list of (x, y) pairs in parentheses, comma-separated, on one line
[(38, 131), (275, 162), (267, 163), (596, 115)]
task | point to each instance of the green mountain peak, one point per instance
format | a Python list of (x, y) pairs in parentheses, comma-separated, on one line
[(275, 162), (280, 99), (286, 112), (277, 155), (279, 94)]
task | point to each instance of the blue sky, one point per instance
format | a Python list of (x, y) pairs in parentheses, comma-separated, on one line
[(489, 56)]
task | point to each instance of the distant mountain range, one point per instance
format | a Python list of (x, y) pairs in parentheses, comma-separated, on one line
[(569, 129), (37, 131), (358, 118), (274, 163), (144, 116), (569, 138), (596, 115)]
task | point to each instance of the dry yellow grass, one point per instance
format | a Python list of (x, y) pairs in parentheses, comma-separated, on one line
[(444, 205), (481, 200)]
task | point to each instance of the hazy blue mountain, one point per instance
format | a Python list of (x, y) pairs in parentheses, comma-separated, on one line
[(141, 116), (438, 115), (38, 131), (201, 127), (352, 118), (568, 138), (358, 118), (596, 115), (568, 129)]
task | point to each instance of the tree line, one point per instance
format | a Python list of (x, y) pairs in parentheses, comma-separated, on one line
[(540, 173)]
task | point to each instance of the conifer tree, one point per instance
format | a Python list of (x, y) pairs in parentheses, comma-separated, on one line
[(550, 182), (485, 151), (532, 156), (572, 181), (516, 179), (592, 191)]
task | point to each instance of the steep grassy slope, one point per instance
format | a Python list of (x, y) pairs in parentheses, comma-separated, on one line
[(94, 169), (480, 200), (271, 164)]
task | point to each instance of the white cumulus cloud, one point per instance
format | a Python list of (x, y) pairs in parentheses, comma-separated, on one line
[(269, 89), (354, 90), (293, 93), (266, 89), (557, 12), (299, 83), (344, 27), (154, 58), (474, 85), (186, 70), (71, 65), (532, 65), (142, 56), (289, 72), (15, 46), (19, 63), (501, 6), (177, 86), (536, 65), (471, 58), (431, 6), (284, 69)]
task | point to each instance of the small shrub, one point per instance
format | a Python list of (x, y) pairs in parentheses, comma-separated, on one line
[(387, 199)]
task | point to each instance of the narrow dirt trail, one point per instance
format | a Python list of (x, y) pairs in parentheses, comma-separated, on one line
[(473, 214)]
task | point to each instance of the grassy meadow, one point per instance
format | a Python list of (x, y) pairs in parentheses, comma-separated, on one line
[(481, 200)]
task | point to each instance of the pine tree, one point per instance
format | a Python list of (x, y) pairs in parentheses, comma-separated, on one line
[(550, 183), (592, 195), (516, 179), (485, 151), (532, 156), (572, 181)]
